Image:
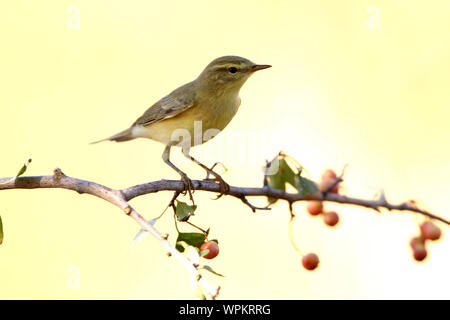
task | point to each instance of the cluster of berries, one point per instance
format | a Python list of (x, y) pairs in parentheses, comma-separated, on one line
[(428, 231), (314, 208), (328, 183)]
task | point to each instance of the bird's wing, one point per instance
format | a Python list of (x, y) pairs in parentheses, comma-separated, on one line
[(168, 107)]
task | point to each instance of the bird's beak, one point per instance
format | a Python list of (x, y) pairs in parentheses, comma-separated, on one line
[(257, 67)]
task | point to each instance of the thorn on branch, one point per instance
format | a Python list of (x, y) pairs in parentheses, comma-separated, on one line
[(382, 200), (254, 208), (378, 209), (291, 210)]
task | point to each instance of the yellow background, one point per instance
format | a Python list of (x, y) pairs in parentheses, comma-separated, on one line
[(342, 90)]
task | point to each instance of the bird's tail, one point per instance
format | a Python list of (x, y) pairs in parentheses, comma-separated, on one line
[(120, 137)]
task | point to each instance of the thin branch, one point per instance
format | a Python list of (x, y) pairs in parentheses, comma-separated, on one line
[(251, 206), (129, 193), (238, 192)]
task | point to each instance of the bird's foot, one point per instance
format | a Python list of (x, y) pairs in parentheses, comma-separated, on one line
[(224, 187), (188, 186)]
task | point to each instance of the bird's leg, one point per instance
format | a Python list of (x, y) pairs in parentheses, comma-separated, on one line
[(187, 182), (212, 168), (224, 187)]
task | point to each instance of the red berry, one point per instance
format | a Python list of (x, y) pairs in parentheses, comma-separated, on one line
[(418, 246), (310, 261), (314, 207), (417, 242), (329, 174), (213, 248), (420, 253), (327, 183), (430, 231), (330, 218)]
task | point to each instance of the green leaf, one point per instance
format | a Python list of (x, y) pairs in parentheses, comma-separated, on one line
[(305, 186), (21, 172), (212, 271), (181, 244), (24, 168), (287, 174), (184, 211), (284, 175), (1, 230), (275, 181), (194, 239)]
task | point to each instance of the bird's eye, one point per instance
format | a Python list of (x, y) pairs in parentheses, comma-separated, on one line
[(232, 69)]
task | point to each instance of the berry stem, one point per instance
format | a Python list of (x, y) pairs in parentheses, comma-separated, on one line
[(291, 235)]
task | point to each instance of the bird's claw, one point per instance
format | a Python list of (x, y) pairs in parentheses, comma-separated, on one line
[(188, 186), (224, 187)]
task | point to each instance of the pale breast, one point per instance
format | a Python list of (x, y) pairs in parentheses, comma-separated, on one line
[(203, 121)]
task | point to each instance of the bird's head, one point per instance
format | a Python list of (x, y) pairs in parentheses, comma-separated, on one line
[(228, 72)]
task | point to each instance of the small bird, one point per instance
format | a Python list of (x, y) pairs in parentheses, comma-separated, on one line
[(208, 103)]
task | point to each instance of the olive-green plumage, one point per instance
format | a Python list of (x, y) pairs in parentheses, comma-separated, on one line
[(211, 100)]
